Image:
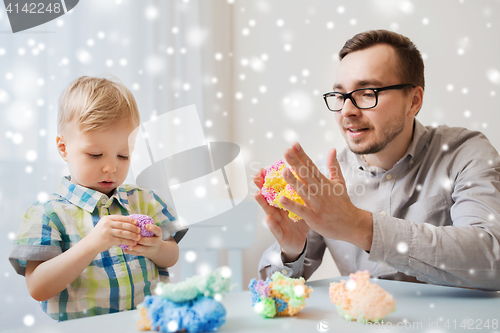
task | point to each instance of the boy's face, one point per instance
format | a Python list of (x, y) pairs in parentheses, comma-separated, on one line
[(97, 159)]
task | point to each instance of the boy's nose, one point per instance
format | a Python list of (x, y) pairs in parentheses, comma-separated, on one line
[(109, 166)]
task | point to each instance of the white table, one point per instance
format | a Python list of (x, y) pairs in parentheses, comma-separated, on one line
[(419, 308)]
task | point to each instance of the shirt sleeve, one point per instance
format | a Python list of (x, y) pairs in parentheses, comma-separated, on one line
[(304, 266), (466, 253), (38, 239), (163, 215)]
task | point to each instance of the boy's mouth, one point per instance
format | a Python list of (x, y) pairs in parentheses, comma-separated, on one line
[(106, 184)]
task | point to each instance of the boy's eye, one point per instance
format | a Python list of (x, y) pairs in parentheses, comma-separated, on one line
[(123, 157), (95, 155)]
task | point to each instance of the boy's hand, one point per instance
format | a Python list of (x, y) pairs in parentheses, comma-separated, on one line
[(147, 246), (114, 230)]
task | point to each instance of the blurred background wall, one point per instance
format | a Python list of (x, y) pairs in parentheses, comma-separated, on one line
[(255, 69)]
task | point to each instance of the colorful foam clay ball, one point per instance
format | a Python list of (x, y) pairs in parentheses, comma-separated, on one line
[(142, 222), (275, 186)]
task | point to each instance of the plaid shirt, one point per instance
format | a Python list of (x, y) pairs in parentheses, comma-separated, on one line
[(114, 281)]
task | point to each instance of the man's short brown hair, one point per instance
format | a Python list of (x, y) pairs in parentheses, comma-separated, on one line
[(411, 64)]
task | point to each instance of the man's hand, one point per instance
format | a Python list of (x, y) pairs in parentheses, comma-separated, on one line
[(290, 235), (328, 210), (147, 246), (114, 230)]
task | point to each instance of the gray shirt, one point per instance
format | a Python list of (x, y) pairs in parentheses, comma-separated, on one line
[(436, 214)]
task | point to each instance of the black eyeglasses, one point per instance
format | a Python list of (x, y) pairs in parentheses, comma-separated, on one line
[(364, 98)]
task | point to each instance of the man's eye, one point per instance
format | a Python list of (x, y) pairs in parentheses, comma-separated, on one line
[(95, 155), (123, 157)]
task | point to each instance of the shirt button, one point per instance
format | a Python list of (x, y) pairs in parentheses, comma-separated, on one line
[(388, 176), (284, 271), (383, 213), (103, 201), (121, 274)]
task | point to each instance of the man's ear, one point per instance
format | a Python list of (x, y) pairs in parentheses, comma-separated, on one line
[(416, 101), (61, 147)]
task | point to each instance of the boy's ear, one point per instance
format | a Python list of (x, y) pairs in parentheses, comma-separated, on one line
[(61, 147)]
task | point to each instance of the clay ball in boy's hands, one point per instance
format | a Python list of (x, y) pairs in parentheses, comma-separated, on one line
[(142, 221)]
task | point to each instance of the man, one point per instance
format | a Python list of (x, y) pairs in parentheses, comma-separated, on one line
[(405, 201)]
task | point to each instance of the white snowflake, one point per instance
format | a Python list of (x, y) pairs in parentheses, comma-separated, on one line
[(257, 64), (196, 36), (154, 65), (402, 247), (406, 7), (4, 97), (190, 256), (42, 196), (290, 135), (83, 56), (28, 320), (298, 105), (493, 75), (151, 13)]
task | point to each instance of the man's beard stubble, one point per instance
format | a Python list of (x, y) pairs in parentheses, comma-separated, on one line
[(389, 132)]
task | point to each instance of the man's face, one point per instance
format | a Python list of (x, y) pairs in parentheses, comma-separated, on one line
[(372, 130), (98, 159)]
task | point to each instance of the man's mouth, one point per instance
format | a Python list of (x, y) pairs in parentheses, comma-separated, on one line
[(356, 130)]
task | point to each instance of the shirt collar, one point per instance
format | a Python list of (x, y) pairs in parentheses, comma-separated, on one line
[(419, 141), (417, 144), (87, 198)]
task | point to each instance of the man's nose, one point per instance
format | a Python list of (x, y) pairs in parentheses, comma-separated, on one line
[(349, 109)]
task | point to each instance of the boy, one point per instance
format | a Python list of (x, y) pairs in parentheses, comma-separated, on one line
[(67, 246)]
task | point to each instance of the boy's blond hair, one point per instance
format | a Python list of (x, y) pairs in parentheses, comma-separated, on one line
[(96, 103)]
